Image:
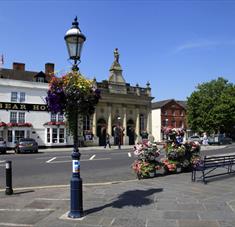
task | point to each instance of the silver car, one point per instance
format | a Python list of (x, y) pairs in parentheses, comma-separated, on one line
[(3, 146), (195, 139), (26, 145)]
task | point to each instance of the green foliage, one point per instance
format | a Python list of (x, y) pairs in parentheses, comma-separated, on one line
[(211, 108)]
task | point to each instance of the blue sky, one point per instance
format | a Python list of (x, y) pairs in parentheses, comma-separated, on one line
[(175, 45)]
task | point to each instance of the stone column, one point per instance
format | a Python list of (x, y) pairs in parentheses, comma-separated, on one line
[(137, 125), (124, 117), (110, 119), (125, 138), (94, 124), (149, 125)]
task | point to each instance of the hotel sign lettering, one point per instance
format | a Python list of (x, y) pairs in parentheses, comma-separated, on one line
[(22, 106)]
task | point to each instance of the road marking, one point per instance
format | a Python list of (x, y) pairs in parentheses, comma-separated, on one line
[(129, 154), (29, 210), (14, 224), (84, 160), (67, 156), (2, 161), (50, 160), (112, 221), (92, 157), (51, 199)]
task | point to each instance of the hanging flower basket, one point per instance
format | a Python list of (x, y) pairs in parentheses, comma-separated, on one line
[(2, 124), (73, 95), (10, 125), (55, 123)]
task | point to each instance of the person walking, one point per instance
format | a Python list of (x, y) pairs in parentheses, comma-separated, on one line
[(107, 140), (117, 136)]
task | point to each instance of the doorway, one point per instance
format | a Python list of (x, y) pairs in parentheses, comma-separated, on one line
[(131, 131), (101, 131)]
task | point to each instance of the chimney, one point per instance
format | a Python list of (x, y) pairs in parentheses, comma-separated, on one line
[(18, 66), (49, 68)]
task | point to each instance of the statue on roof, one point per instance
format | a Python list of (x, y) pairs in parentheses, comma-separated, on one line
[(116, 55)]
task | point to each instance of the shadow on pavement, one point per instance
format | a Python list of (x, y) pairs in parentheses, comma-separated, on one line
[(136, 198), (23, 192)]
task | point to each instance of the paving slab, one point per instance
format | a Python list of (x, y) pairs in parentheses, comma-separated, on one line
[(170, 201), (193, 223)]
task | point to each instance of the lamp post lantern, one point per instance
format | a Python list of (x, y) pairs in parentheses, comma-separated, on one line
[(74, 40)]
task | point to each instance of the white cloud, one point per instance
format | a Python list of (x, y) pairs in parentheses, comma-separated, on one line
[(196, 44)]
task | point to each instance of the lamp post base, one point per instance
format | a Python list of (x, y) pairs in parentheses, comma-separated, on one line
[(9, 191), (76, 206), (76, 203)]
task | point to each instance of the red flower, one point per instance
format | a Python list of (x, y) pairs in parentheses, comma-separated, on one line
[(2, 124), (19, 124), (55, 123)]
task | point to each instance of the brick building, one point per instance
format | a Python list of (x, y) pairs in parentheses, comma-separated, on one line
[(167, 113)]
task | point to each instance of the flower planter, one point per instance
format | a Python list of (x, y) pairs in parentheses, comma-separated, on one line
[(180, 156), (146, 162)]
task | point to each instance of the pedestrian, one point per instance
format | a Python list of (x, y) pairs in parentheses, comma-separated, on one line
[(117, 136), (205, 139), (107, 140)]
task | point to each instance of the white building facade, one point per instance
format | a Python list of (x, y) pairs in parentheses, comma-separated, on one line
[(23, 114)]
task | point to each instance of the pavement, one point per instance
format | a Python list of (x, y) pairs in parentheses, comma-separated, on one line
[(164, 201)]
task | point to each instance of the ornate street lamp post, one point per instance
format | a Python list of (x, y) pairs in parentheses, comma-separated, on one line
[(74, 40)]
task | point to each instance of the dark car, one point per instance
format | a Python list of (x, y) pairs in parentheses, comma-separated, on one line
[(26, 145), (3, 146), (219, 139)]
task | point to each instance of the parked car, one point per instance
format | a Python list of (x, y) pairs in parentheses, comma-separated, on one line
[(25, 145), (219, 139), (195, 139), (3, 146)]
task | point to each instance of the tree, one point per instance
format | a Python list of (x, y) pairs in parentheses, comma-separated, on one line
[(211, 108)]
